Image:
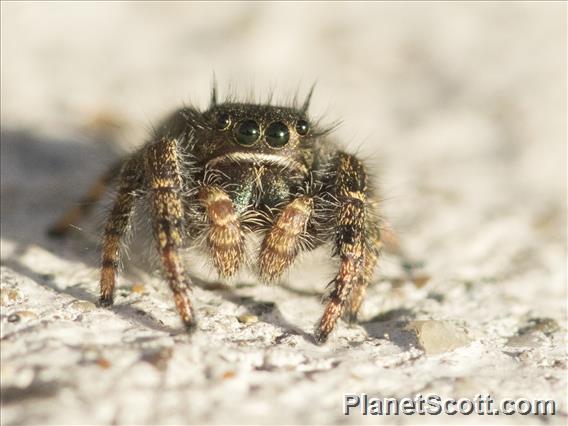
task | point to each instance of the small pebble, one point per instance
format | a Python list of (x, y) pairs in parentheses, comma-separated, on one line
[(83, 305), (13, 318), (229, 374), (439, 336), (420, 280), (544, 325), (159, 358), (247, 319), (103, 363), (534, 333), (138, 288), (9, 295), (27, 315), (22, 315)]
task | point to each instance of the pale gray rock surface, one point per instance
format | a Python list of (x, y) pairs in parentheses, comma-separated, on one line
[(460, 110)]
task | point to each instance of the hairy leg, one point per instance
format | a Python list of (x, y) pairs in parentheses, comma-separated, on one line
[(86, 203), (350, 239), (372, 252), (282, 243), (116, 226), (225, 238), (164, 180)]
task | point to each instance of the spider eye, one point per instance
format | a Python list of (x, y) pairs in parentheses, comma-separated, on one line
[(302, 127), (223, 121), (277, 135), (248, 133)]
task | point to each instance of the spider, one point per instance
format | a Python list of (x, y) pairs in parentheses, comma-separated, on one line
[(237, 168)]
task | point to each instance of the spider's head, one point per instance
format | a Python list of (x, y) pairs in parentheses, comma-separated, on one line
[(258, 133), (259, 126)]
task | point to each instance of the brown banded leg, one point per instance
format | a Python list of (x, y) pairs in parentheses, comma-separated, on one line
[(282, 243), (360, 289), (86, 203), (115, 228), (163, 176), (350, 240), (225, 238)]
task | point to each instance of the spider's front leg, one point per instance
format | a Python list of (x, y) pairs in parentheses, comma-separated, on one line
[(353, 244), (164, 178)]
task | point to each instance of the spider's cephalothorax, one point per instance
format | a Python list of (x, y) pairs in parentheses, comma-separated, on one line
[(239, 168)]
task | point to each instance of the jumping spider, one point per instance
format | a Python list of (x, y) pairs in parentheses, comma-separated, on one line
[(238, 168)]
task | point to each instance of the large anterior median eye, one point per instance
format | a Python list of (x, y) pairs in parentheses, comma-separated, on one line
[(248, 133), (277, 135)]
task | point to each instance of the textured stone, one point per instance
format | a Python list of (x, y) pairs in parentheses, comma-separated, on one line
[(439, 336)]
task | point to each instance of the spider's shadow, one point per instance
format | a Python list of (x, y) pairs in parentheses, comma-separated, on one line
[(393, 325), (266, 311), (40, 178)]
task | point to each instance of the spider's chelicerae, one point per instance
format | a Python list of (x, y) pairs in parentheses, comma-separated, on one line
[(238, 168)]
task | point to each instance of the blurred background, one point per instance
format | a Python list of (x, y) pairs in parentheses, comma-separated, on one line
[(458, 108)]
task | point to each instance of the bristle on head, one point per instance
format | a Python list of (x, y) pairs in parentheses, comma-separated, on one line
[(306, 104), (214, 91)]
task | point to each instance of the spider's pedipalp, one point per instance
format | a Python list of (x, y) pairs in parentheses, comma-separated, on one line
[(225, 236), (283, 241)]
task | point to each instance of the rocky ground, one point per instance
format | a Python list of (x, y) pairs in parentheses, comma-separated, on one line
[(460, 111)]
